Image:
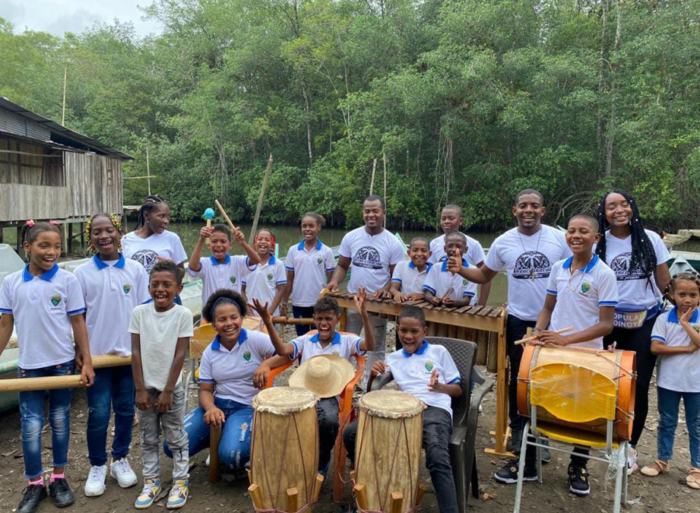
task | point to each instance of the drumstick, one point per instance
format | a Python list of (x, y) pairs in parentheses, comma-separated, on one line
[(528, 339), (223, 213), (447, 294)]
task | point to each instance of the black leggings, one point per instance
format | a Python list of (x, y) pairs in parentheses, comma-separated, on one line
[(639, 341)]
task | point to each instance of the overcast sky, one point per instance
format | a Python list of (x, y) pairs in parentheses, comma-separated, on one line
[(60, 16)]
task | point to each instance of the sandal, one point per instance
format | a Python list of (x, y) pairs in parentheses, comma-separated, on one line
[(693, 479), (656, 468)]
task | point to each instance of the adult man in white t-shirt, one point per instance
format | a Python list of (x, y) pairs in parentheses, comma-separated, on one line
[(373, 253), (527, 252)]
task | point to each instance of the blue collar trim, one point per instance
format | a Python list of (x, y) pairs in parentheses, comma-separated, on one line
[(422, 350), (319, 244), (101, 265), (226, 261), (336, 338), (242, 337), (411, 265), (587, 269), (673, 316), (444, 264), (47, 276)]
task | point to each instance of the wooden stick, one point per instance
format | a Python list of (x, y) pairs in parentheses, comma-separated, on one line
[(371, 183), (292, 320), (258, 208), (214, 441), (223, 213), (256, 495), (110, 360), (319, 483), (533, 337), (396, 502), (361, 495), (292, 500), (420, 494)]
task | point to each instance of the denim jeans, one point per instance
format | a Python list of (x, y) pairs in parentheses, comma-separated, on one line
[(437, 431), (353, 324), (113, 389), (234, 448), (669, 404), (31, 407), (303, 312)]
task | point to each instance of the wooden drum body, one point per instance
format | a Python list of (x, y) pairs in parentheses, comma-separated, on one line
[(388, 449), (284, 446), (579, 384)]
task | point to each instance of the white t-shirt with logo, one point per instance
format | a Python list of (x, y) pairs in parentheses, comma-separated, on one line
[(232, 371), (528, 262), (310, 268), (412, 373), (216, 275), (145, 251), (634, 289), (343, 345), (475, 252), (580, 296), (111, 290), (409, 277), (372, 256), (679, 372), (440, 281), (41, 307), (159, 332), (263, 280)]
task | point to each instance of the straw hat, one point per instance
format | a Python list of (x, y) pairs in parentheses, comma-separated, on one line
[(325, 375)]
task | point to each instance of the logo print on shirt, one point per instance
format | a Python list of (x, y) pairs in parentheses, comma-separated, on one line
[(147, 258), (233, 280), (367, 258), (246, 356), (55, 300), (465, 282), (621, 266), (585, 287), (530, 265), (126, 288), (319, 260), (429, 366), (270, 276)]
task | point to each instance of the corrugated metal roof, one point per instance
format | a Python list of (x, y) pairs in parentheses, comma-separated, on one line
[(59, 133)]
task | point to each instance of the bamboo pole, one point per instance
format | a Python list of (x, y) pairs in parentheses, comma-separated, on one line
[(223, 213), (63, 110), (384, 159), (258, 208), (371, 183), (290, 320), (148, 170)]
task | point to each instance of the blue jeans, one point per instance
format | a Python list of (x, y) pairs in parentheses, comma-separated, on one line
[(301, 312), (31, 408), (234, 448), (669, 404), (113, 389)]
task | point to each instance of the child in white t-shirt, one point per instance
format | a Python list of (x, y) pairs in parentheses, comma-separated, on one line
[(409, 277), (266, 281), (160, 336), (445, 286), (221, 270), (675, 339)]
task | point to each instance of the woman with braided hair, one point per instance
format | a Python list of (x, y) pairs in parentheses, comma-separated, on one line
[(150, 241), (639, 259)]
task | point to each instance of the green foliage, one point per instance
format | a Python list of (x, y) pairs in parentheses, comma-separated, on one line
[(463, 101)]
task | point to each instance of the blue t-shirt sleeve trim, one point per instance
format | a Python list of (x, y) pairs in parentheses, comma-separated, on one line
[(202, 380), (76, 312), (607, 303), (456, 380), (425, 287), (551, 292), (3, 310), (659, 338)]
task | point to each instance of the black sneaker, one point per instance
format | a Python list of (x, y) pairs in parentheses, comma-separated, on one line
[(61, 493), (578, 480), (33, 495), (509, 473)]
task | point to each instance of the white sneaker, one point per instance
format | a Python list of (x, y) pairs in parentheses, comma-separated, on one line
[(121, 471), (95, 484), (208, 461)]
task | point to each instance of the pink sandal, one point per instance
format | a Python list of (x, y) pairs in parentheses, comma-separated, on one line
[(693, 479), (655, 469)]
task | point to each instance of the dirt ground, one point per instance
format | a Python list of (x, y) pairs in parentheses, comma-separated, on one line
[(666, 493)]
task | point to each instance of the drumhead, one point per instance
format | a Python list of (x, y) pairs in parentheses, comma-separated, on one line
[(284, 400), (391, 404)]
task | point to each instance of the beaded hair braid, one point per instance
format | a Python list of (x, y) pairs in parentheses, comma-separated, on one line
[(116, 221), (643, 254), (671, 287)]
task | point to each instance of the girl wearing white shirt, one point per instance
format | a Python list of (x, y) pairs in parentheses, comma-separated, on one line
[(151, 241), (676, 341), (266, 281), (639, 259)]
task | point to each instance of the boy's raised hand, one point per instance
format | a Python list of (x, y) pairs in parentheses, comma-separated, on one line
[(454, 263), (205, 232), (238, 235), (378, 368), (360, 300), (262, 310)]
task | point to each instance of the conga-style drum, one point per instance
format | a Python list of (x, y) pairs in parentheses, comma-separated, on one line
[(284, 449), (582, 383), (388, 448)]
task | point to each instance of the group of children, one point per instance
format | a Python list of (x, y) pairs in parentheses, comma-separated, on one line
[(134, 291)]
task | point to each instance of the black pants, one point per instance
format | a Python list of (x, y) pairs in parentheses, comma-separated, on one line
[(437, 430), (515, 330), (303, 312), (328, 425), (639, 341)]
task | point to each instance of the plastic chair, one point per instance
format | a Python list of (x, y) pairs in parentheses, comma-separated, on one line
[(465, 415), (578, 396)]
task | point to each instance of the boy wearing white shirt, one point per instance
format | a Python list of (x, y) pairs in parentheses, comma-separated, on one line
[(449, 288), (581, 292), (409, 277)]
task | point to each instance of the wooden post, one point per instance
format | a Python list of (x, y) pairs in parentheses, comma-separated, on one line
[(384, 159), (371, 183), (396, 502), (70, 238), (502, 395), (317, 488), (361, 496), (148, 171), (63, 110), (292, 500), (214, 463), (421, 493), (258, 208), (256, 495), (82, 235)]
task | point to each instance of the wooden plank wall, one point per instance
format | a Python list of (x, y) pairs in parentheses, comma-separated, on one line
[(20, 202), (94, 183)]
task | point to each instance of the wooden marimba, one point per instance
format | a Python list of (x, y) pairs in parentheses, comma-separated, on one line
[(484, 325)]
